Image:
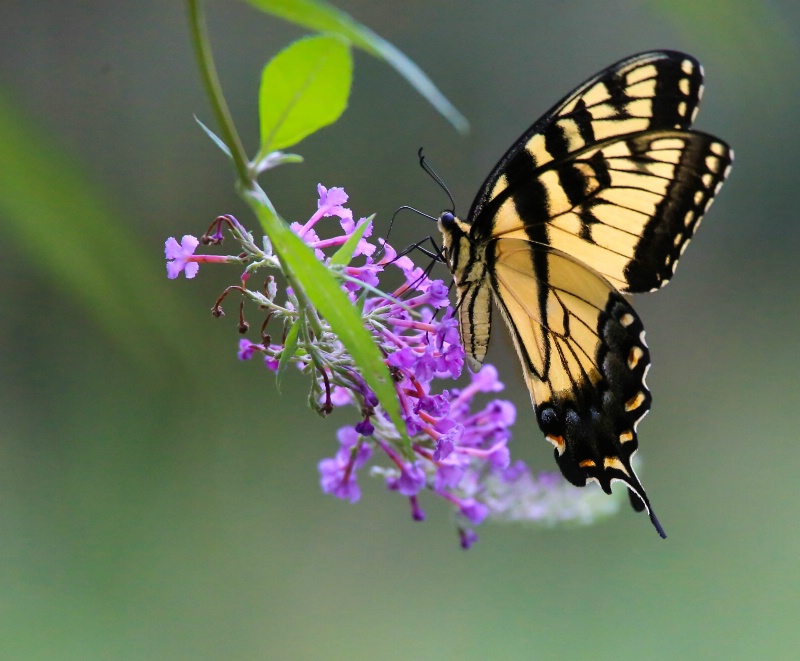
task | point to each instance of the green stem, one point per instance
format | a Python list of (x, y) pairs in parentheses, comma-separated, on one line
[(208, 72), (247, 183)]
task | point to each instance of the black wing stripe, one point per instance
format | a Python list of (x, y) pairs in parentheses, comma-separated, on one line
[(703, 165)]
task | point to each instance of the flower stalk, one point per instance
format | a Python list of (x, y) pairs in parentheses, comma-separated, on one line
[(459, 435)]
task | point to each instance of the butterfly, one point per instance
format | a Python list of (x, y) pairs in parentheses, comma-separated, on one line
[(598, 199)]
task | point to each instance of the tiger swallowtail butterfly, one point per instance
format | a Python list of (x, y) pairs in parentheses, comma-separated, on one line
[(599, 198)]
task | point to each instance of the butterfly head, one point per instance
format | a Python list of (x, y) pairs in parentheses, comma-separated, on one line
[(448, 224), (451, 225), (455, 238)]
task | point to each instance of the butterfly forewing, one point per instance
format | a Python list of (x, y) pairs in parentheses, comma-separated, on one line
[(626, 207), (658, 90)]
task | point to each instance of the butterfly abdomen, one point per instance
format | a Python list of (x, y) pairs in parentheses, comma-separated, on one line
[(467, 262)]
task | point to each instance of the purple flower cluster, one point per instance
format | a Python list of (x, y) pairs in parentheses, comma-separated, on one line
[(460, 444)]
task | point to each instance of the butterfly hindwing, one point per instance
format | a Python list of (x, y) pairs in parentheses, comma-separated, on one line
[(584, 357)]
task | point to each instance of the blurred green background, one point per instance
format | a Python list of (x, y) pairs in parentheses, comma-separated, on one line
[(160, 500)]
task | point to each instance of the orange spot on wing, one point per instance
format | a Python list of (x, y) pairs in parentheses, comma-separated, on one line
[(558, 442)]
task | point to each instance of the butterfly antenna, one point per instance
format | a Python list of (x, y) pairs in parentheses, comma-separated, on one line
[(391, 224), (432, 174)]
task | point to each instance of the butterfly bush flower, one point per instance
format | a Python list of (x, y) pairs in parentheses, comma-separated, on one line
[(459, 432)]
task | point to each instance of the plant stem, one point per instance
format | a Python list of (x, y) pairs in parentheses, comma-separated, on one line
[(208, 72), (247, 183)]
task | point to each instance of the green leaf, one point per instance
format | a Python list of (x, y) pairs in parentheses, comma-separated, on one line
[(345, 252), (323, 17), (289, 349), (324, 292), (303, 88), (274, 159), (214, 138)]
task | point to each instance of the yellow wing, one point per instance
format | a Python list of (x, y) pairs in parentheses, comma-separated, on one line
[(584, 359)]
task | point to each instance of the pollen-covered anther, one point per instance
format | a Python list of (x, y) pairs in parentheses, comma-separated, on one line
[(558, 442), (634, 402)]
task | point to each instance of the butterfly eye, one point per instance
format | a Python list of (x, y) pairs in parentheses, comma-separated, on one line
[(447, 219)]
